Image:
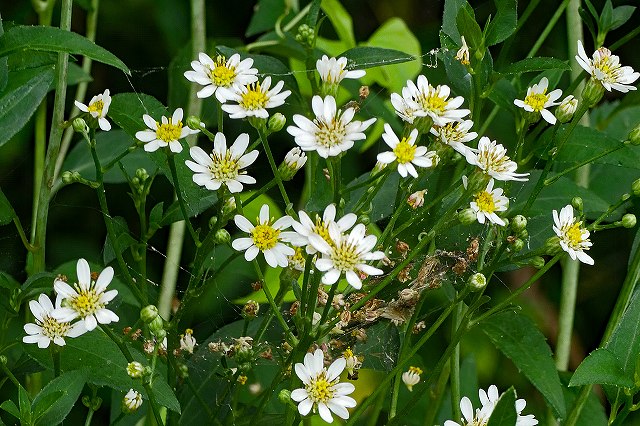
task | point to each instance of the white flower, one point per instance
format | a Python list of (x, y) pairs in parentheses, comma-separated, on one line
[(529, 419), (98, 108), (463, 54), (566, 109), (493, 160), (165, 132), (297, 260), (411, 378), (331, 132), (346, 254), (402, 107), (220, 76), (253, 100), (322, 388), (486, 203), (187, 341), (293, 161), (333, 71), (267, 238), (456, 134), (223, 166), (47, 328), (606, 68), (320, 226), (135, 369), (87, 299), (132, 401), (574, 239), (538, 100), (481, 415), (406, 152)]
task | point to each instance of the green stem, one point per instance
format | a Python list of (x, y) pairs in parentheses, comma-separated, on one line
[(631, 35), (55, 355), (454, 362), (261, 191), (550, 26), (551, 180), (274, 170), (436, 396), (183, 207), (3, 365)]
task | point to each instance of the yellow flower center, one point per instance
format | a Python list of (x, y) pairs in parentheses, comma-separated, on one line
[(298, 260), (348, 353), (537, 101), (345, 256), (169, 132), (86, 303), (96, 107), (415, 370), (490, 159), (224, 168), (254, 98), (608, 70), (330, 134), (52, 328), (265, 237), (404, 151), (573, 234), (319, 389), (432, 102), (322, 230), (485, 202), (222, 75)]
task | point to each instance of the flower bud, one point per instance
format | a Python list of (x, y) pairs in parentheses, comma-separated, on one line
[(183, 371), (552, 246), (467, 216), (523, 235), (537, 262), (194, 122), (149, 313), (157, 326), (277, 122), (251, 309), (592, 92), (131, 402), (566, 109), (518, 223), (135, 369), (635, 187), (293, 161), (284, 396), (213, 221), (67, 177), (577, 203), (517, 245), (628, 220), (229, 207), (378, 168), (477, 282), (423, 124), (142, 174), (364, 219), (416, 199), (634, 135), (221, 237), (80, 126)]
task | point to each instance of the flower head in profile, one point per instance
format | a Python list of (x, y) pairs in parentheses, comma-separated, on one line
[(492, 159), (293, 161), (223, 166), (538, 100), (411, 377), (48, 329), (219, 76), (267, 237), (322, 389), (456, 134), (87, 299), (574, 239), (187, 341), (332, 70), (463, 53), (605, 68), (98, 108), (253, 100), (320, 226), (566, 109), (131, 401), (163, 133), (406, 153), (487, 202), (331, 132)]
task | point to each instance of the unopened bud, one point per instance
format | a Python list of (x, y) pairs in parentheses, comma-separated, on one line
[(628, 220), (364, 219), (80, 126), (467, 216), (477, 281), (213, 221), (131, 401), (518, 223), (157, 327), (194, 122), (416, 199), (229, 207), (135, 369), (142, 174), (293, 161), (524, 234), (277, 122), (577, 203), (221, 237), (635, 187), (149, 313), (67, 177), (183, 371), (537, 262), (566, 109), (284, 396), (592, 92), (552, 246), (517, 245), (634, 135)]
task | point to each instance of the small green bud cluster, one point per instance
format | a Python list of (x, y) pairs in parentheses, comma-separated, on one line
[(276, 122), (150, 316), (306, 35), (139, 183)]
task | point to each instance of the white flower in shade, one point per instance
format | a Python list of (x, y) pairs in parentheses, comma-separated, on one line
[(527, 420), (322, 389), (163, 133), (307, 227), (456, 134), (402, 107), (131, 401), (47, 328), (406, 153), (267, 237), (538, 100), (332, 70), (219, 76), (481, 415), (253, 99), (331, 132), (346, 254), (223, 166), (87, 299), (493, 160), (98, 108), (411, 378), (187, 341), (463, 53), (293, 161), (566, 109), (574, 239), (486, 203), (606, 68)]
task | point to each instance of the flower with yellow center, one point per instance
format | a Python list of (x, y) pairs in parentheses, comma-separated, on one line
[(487, 202), (411, 378), (219, 76), (605, 68), (223, 166), (493, 160), (322, 389), (267, 237), (163, 133), (455, 134), (538, 100), (320, 227), (333, 71), (253, 100), (48, 329), (87, 299), (332, 132), (463, 54), (574, 239), (406, 153), (98, 108)]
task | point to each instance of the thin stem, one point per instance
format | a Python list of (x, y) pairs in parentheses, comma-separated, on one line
[(274, 170), (550, 26), (454, 363), (551, 180), (3, 365), (55, 355), (183, 207), (631, 35)]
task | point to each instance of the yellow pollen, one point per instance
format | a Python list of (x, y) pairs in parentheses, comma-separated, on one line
[(86, 303), (433, 102), (574, 234), (169, 132), (242, 379), (322, 230), (96, 107), (265, 237), (224, 168), (415, 370), (222, 75), (536, 101), (348, 353), (319, 389), (52, 328), (254, 98), (404, 151), (485, 202), (330, 134), (345, 257)]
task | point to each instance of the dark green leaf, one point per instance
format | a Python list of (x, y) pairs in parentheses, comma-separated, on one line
[(457, 73), (84, 4), (588, 20), (124, 240), (368, 57), (56, 40), (606, 17), (174, 214), (625, 340), (503, 93), (312, 16), (6, 210), (536, 64), (592, 9), (45, 403), (55, 401), (592, 413), (469, 28), (34, 285), (450, 13), (24, 402), (601, 367), (4, 69), (8, 282), (265, 15), (504, 23), (127, 109), (504, 413), (521, 341), (621, 15), (11, 408)]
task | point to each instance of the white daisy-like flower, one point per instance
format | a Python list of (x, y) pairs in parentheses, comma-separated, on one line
[(48, 329), (538, 100), (132, 401), (98, 108), (332, 70), (493, 160), (87, 299), (163, 133), (346, 255), (187, 341), (411, 377), (574, 239), (526, 420), (331, 132), (297, 260), (606, 68), (219, 76), (320, 226), (267, 237), (223, 166), (406, 152), (322, 389), (135, 370), (402, 107), (252, 100), (481, 416), (456, 134), (487, 202)]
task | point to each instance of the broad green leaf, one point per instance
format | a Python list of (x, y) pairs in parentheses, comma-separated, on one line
[(504, 23), (56, 40), (620, 121), (45, 402), (449, 26), (174, 213), (55, 401), (341, 21), (469, 28), (606, 17), (34, 285), (4, 69), (601, 367), (6, 210), (592, 413), (127, 109), (521, 341), (265, 15), (504, 413), (8, 282), (384, 200), (368, 57), (621, 15), (536, 64), (625, 340), (10, 407), (20, 98)]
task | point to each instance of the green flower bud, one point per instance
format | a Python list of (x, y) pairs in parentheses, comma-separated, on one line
[(293, 161), (467, 216), (577, 203), (364, 219), (628, 220), (276, 122), (423, 124), (284, 396), (213, 221), (537, 262), (135, 369), (592, 92), (566, 109), (194, 122), (517, 245), (229, 207), (142, 174), (552, 246), (635, 187), (634, 135), (157, 326), (477, 282), (80, 126), (625, 197), (149, 313), (221, 237), (523, 235), (518, 223), (183, 371), (67, 177)]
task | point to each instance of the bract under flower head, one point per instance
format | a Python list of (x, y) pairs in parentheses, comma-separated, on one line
[(163, 133), (574, 239), (538, 100), (254, 99), (98, 108), (605, 68), (48, 329), (219, 76)]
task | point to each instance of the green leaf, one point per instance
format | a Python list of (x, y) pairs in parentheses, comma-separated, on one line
[(20, 98), (56, 40), (341, 21), (521, 341), (504, 23), (6, 210), (625, 340), (265, 15), (504, 413), (45, 403), (621, 15), (11, 408), (363, 57), (24, 402), (124, 240), (55, 401), (592, 413), (601, 367), (469, 28), (450, 13), (606, 17), (127, 109), (536, 64), (4, 69)]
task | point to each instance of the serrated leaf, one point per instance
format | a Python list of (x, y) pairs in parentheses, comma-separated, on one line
[(592, 413), (536, 64), (53, 39), (504, 23), (504, 413), (55, 401), (625, 340), (45, 403), (601, 367), (521, 341)]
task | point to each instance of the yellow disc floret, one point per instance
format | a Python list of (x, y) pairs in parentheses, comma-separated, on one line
[(52, 328), (404, 151), (320, 389), (224, 168), (169, 131), (96, 107), (254, 98), (222, 75), (574, 234), (536, 101), (485, 202), (265, 237), (86, 303), (433, 102), (345, 256)]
